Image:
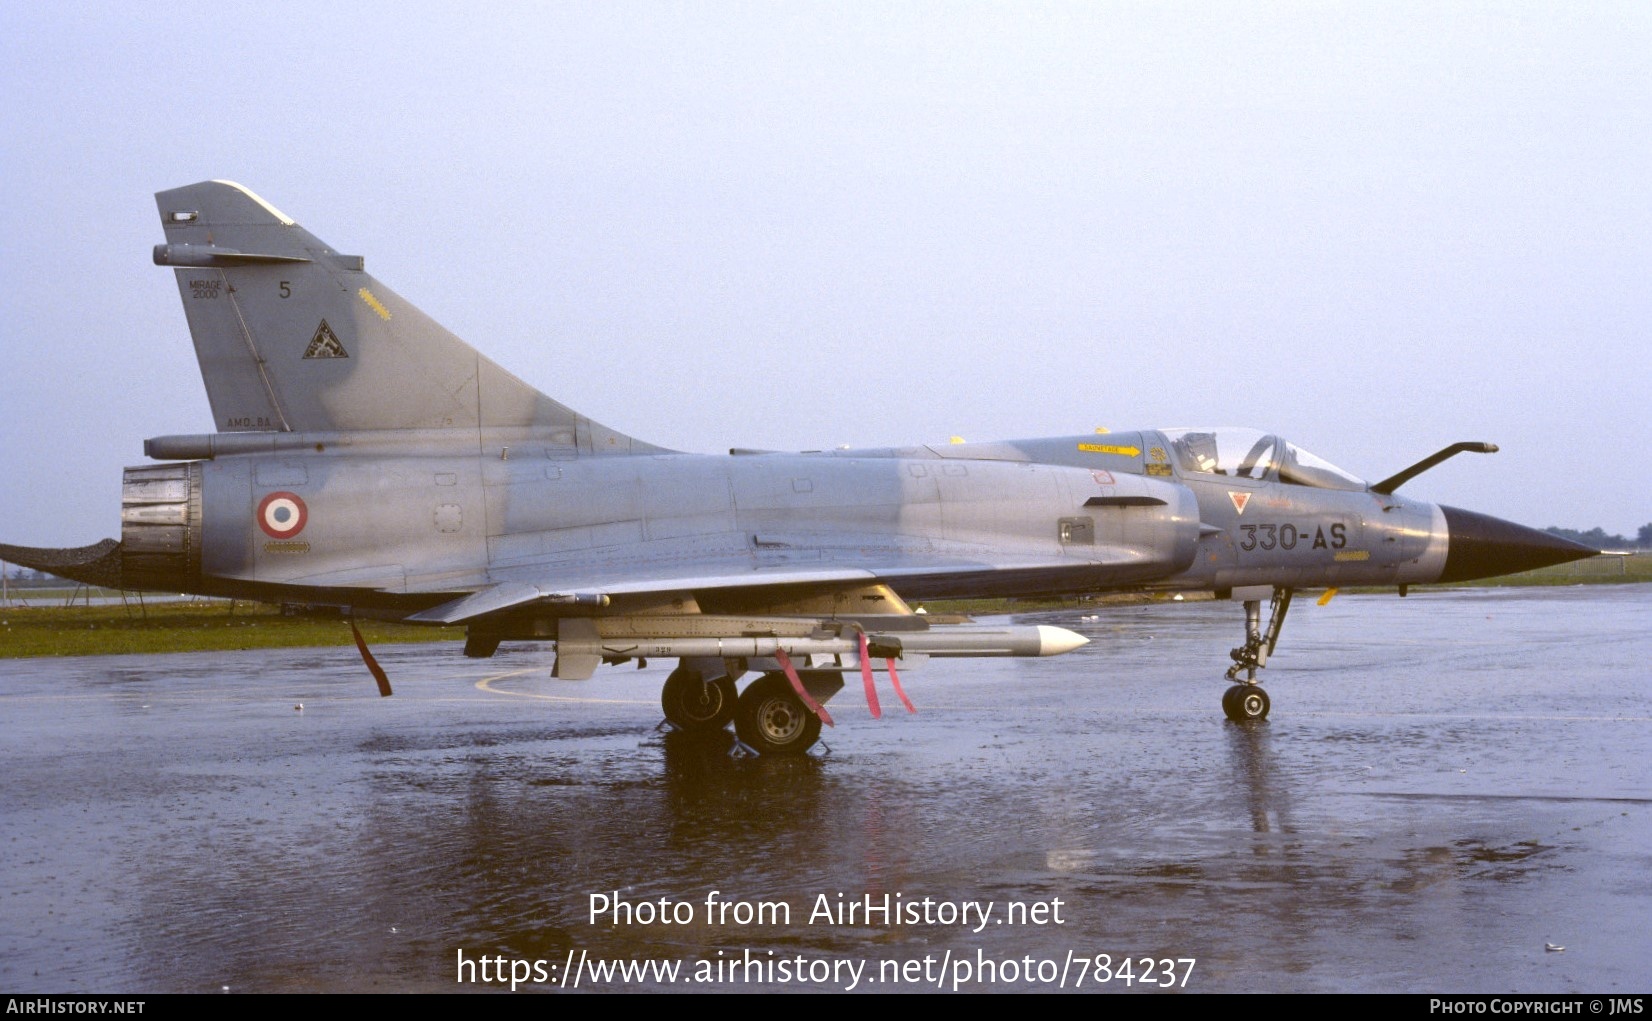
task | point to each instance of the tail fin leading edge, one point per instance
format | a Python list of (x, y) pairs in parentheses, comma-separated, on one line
[(292, 336)]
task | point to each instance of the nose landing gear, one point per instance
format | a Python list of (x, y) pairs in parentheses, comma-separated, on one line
[(1246, 701)]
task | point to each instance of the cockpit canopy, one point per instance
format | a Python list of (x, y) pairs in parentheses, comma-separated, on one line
[(1253, 454)]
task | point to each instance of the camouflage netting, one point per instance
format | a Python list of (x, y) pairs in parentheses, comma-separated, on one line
[(97, 564)]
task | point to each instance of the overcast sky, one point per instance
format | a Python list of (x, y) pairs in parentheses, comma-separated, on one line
[(1374, 228)]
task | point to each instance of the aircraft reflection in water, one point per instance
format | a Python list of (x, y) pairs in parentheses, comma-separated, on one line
[(368, 459)]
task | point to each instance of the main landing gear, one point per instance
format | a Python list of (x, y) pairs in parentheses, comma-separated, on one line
[(695, 704), (773, 720), (1246, 701), (768, 716)]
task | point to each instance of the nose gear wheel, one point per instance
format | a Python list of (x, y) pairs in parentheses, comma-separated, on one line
[(1244, 703)]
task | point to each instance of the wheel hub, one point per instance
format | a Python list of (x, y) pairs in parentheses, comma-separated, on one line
[(706, 703), (778, 720)]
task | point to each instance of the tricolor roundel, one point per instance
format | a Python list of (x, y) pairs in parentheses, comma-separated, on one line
[(282, 515)]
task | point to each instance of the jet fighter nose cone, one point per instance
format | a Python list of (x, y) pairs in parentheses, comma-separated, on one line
[(1482, 546)]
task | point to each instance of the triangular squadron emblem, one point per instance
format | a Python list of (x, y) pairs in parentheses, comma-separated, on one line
[(325, 344), (1239, 499)]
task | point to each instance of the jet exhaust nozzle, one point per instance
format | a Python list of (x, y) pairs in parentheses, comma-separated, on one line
[(160, 537)]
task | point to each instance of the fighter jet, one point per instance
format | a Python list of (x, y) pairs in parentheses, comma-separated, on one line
[(367, 459)]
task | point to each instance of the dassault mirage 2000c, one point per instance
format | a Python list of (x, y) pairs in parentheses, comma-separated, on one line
[(365, 458)]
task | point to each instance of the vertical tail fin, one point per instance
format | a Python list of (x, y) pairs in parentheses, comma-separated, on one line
[(292, 336)]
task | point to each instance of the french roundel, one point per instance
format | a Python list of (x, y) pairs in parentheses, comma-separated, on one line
[(282, 515)]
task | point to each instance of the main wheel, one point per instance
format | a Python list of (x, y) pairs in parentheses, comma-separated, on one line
[(1245, 702), (695, 704), (773, 720)]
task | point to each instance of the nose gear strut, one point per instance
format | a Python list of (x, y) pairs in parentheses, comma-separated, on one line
[(1246, 700)]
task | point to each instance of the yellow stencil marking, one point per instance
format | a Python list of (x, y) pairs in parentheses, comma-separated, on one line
[(1354, 554), (1101, 448), (374, 303)]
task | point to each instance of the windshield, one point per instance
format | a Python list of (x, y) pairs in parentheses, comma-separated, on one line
[(1304, 469), (1253, 454)]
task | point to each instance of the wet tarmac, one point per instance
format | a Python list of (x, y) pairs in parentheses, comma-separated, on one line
[(1449, 784)]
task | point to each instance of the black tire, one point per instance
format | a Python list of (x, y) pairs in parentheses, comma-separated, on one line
[(1245, 703), (773, 720), (698, 706)]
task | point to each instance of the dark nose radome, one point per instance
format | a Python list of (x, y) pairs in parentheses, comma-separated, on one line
[(1482, 546)]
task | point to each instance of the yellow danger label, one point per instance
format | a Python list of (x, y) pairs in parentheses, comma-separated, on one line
[(374, 303), (1102, 448), (1353, 554)]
